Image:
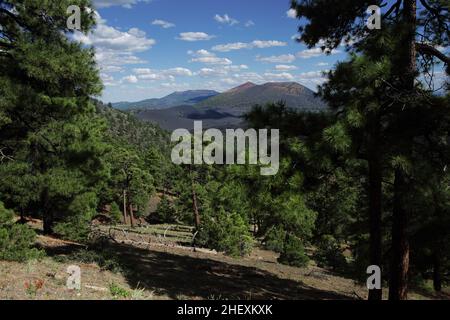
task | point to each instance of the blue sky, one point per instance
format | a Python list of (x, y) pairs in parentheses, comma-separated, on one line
[(150, 48)]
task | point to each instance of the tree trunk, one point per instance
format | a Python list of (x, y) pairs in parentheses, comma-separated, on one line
[(375, 202), (22, 216), (125, 219), (398, 285), (195, 207), (48, 223), (437, 278), (131, 216), (47, 214)]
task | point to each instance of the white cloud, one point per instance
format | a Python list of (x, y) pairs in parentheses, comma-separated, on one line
[(235, 68), (225, 19), (211, 72), (106, 77), (130, 79), (206, 57), (314, 52), (111, 68), (230, 46), (105, 37), (248, 76), (313, 74), (284, 67), (114, 59), (312, 78), (194, 36), (124, 3), (115, 48), (163, 24), (268, 44), (291, 13), (220, 71), (181, 72), (249, 23), (250, 45), (284, 58), (167, 74), (279, 76), (212, 60), (322, 64)]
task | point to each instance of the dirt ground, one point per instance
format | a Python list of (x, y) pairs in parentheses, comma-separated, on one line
[(172, 273)]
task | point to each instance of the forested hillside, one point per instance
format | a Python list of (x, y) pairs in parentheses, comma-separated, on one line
[(363, 182)]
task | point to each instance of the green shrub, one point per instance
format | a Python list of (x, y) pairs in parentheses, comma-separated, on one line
[(274, 239), (227, 232), (329, 254), (104, 258), (166, 212), (290, 248), (16, 240), (76, 225), (74, 229), (293, 253), (116, 213), (118, 292)]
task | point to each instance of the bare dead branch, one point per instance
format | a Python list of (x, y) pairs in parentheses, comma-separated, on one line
[(430, 50)]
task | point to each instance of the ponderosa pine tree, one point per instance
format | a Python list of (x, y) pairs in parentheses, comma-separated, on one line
[(346, 22), (47, 121)]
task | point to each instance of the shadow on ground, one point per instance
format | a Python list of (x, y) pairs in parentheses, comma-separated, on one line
[(186, 277)]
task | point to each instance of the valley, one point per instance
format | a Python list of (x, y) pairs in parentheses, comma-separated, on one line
[(220, 110)]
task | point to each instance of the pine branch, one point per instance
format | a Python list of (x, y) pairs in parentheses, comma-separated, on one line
[(12, 16), (430, 50), (391, 9), (3, 156), (434, 11)]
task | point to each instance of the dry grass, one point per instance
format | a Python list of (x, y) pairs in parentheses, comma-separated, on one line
[(173, 273)]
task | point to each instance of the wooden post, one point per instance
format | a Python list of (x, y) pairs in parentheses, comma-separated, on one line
[(131, 215), (125, 207)]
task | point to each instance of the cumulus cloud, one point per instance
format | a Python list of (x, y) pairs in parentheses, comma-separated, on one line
[(206, 57), (194, 36), (314, 52), (279, 76), (130, 79), (220, 71), (111, 68), (235, 68), (115, 48), (249, 45), (211, 72), (291, 13), (284, 58), (167, 74), (108, 80), (312, 78), (249, 23), (284, 67), (225, 19), (105, 37), (124, 3), (163, 24), (182, 72)]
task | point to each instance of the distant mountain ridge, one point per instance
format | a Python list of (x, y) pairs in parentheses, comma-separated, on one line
[(245, 96), (225, 110), (190, 97)]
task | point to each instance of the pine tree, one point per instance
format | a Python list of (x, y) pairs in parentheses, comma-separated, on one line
[(47, 122), (346, 22)]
